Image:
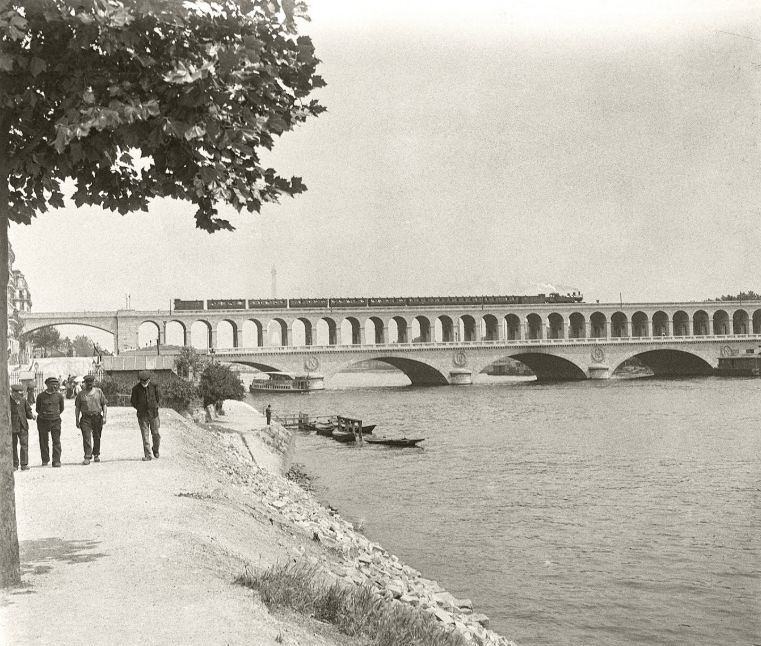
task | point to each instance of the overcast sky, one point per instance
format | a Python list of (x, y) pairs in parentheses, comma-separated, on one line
[(473, 148)]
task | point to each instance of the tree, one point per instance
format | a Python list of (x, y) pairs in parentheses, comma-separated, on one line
[(189, 363), (750, 295), (219, 382), (137, 99), (83, 346), (47, 338)]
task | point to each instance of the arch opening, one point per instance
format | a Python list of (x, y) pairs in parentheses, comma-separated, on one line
[(673, 363), (548, 367)]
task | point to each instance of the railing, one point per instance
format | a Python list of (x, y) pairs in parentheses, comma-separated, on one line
[(432, 345)]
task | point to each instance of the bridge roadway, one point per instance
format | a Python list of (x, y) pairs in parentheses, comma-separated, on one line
[(557, 341)]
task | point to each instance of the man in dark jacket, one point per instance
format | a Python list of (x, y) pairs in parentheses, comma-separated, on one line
[(49, 407), (21, 412), (146, 400)]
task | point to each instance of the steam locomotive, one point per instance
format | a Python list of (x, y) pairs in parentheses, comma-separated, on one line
[(383, 301)]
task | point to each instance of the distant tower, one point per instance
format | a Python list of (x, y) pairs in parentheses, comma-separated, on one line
[(274, 282)]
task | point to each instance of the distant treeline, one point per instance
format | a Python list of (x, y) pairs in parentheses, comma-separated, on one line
[(750, 295)]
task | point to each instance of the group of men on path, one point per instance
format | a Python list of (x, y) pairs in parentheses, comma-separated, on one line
[(90, 411)]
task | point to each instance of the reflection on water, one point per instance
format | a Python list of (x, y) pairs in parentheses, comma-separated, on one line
[(618, 512)]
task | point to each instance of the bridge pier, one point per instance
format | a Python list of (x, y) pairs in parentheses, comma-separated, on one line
[(460, 377), (599, 371)]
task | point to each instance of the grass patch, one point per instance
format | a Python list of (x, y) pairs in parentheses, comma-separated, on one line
[(355, 611)]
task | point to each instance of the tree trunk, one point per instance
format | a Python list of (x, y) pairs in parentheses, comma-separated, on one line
[(10, 570)]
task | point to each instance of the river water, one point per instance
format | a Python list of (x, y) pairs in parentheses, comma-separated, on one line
[(609, 512)]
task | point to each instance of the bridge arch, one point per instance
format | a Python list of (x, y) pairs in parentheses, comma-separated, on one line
[(513, 327), (491, 327), (278, 332), (30, 327), (227, 334), (720, 322), (534, 326), (576, 326), (375, 331), (598, 323), (201, 334), (467, 327), (700, 323), (640, 324), (669, 362), (399, 325), (253, 333), (302, 331), (148, 334), (175, 333), (550, 367), (418, 372), (555, 326), (421, 329), (740, 322), (327, 331), (661, 324), (351, 331), (444, 329), (757, 322), (619, 325), (681, 323)]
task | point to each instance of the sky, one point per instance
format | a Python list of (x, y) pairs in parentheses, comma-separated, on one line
[(477, 147)]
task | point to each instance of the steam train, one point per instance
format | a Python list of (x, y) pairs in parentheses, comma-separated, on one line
[(383, 301)]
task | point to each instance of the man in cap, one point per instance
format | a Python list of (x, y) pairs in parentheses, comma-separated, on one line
[(90, 408), (49, 406), (146, 399), (21, 412)]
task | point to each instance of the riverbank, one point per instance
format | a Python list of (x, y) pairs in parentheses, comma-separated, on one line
[(125, 551)]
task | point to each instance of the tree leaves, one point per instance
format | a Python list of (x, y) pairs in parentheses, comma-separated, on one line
[(195, 89)]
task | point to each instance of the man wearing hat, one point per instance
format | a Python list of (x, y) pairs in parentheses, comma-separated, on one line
[(146, 399), (49, 406), (90, 408), (21, 412)]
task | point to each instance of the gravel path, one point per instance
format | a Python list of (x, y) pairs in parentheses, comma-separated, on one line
[(132, 552)]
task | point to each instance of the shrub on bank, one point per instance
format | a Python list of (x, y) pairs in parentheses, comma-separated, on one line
[(179, 394), (355, 611)]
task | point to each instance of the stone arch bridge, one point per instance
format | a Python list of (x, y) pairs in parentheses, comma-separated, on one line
[(439, 344)]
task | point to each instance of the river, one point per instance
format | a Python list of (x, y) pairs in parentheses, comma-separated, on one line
[(596, 513)]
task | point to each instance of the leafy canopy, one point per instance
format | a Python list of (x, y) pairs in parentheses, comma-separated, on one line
[(137, 99), (219, 382)]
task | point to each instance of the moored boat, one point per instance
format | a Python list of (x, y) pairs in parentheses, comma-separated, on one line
[(343, 436), (400, 442), (286, 382)]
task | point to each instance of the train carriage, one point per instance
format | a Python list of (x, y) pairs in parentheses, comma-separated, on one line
[(267, 303), (348, 302), (308, 303), (226, 304)]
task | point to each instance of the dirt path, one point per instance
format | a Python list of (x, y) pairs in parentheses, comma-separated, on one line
[(132, 552)]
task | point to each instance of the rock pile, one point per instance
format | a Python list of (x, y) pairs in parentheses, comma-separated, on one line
[(331, 543)]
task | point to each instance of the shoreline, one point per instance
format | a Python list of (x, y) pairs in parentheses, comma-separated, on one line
[(349, 556)]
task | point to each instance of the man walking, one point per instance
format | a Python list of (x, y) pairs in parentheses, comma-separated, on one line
[(90, 409), (49, 406), (268, 413), (145, 400), (21, 412)]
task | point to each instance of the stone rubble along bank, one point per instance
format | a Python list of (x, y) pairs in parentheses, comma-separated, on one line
[(347, 555)]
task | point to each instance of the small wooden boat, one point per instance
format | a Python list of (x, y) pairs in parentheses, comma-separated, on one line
[(343, 436), (324, 429), (327, 429), (399, 442)]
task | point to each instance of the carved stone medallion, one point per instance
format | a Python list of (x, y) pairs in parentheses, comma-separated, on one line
[(311, 363), (460, 359), (598, 354)]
